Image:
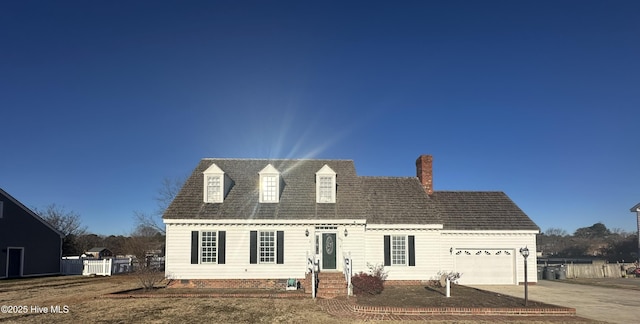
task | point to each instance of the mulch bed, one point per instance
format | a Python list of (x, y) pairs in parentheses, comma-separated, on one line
[(461, 296)]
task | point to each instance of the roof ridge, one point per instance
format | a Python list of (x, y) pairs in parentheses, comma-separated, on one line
[(467, 191), (388, 177), (272, 159)]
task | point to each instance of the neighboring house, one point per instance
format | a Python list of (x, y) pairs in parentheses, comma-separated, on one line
[(99, 253), (250, 222), (29, 246)]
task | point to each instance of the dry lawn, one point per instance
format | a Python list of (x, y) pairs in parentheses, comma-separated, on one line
[(86, 304), (83, 298)]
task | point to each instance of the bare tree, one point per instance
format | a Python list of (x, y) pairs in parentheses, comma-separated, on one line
[(168, 190), (68, 223), (143, 243), (552, 231)]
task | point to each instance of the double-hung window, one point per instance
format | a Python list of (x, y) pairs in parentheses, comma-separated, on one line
[(266, 247), (269, 189), (398, 250), (269, 185), (208, 247), (267, 241), (326, 189), (325, 185), (214, 189)]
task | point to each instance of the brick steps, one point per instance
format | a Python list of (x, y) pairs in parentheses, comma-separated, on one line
[(331, 285)]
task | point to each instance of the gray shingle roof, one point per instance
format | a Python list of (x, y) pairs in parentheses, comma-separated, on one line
[(379, 200), (398, 201), (297, 200), (480, 210)]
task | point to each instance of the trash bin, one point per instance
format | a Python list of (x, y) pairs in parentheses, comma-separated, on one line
[(550, 273), (561, 273), (540, 272)]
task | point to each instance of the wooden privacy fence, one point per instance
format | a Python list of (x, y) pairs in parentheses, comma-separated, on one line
[(582, 270), (596, 270)]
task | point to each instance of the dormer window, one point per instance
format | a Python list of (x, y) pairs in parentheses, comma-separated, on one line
[(325, 185), (269, 185), (214, 188)]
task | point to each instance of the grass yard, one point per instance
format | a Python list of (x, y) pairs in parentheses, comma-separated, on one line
[(85, 301)]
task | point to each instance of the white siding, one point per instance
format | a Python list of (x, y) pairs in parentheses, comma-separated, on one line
[(353, 244), (237, 266), (435, 250), (427, 247)]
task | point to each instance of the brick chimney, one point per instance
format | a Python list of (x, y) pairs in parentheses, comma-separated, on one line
[(424, 169)]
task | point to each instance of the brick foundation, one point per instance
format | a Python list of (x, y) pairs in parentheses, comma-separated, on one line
[(408, 282), (277, 284)]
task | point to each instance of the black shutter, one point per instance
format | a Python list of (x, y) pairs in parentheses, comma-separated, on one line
[(412, 251), (280, 246), (194, 247), (387, 250), (253, 247), (222, 236)]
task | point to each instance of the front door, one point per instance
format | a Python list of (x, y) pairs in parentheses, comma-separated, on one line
[(329, 251), (14, 268)]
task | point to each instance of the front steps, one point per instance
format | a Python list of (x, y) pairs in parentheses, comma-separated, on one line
[(331, 285)]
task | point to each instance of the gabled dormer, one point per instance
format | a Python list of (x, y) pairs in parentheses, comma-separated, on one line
[(269, 184), (214, 184), (326, 185)]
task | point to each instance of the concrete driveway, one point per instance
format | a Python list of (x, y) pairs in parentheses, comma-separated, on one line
[(613, 305)]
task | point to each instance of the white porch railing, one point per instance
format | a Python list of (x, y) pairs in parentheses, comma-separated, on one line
[(347, 269), (312, 267)]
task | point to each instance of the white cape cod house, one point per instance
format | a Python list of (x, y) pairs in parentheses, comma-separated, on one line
[(256, 223)]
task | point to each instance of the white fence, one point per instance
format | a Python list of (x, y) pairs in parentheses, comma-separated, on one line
[(99, 267)]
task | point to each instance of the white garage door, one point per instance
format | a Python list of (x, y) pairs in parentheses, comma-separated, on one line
[(485, 266)]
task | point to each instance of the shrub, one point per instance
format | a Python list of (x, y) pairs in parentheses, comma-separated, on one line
[(371, 283), (364, 283), (453, 277), (149, 277)]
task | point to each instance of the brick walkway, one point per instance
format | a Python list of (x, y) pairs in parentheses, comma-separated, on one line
[(342, 309)]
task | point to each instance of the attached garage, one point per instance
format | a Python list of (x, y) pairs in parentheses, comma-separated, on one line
[(485, 266)]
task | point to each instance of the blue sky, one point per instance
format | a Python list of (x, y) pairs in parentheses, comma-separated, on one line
[(102, 100)]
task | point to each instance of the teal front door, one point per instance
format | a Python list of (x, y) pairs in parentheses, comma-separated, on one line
[(328, 251)]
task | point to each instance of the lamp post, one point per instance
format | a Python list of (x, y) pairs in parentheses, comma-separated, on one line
[(525, 253)]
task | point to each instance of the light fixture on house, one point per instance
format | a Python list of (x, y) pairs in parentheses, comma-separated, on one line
[(306, 232), (346, 232)]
